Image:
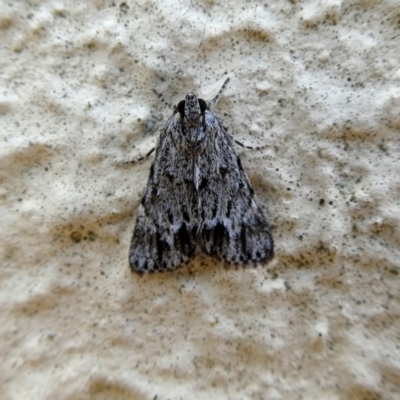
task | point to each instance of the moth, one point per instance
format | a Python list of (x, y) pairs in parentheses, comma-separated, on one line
[(198, 200)]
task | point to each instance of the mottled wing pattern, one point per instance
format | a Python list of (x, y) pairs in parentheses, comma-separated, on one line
[(164, 234), (233, 227)]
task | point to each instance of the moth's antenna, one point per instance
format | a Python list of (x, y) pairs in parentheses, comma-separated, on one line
[(214, 100), (160, 96)]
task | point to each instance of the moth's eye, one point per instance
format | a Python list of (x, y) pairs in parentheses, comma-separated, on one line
[(203, 105), (181, 107)]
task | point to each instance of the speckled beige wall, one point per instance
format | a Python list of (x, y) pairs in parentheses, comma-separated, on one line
[(318, 82)]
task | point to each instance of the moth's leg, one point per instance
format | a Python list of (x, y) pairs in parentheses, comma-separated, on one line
[(141, 158), (214, 100), (250, 147)]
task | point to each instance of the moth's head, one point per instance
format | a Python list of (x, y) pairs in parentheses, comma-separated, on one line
[(192, 107)]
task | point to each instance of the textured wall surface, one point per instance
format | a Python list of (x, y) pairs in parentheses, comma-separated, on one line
[(318, 82)]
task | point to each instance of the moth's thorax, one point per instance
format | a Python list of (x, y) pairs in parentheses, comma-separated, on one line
[(192, 108), (192, 114)]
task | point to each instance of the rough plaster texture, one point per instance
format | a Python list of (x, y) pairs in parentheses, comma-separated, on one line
[(318, 82)]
